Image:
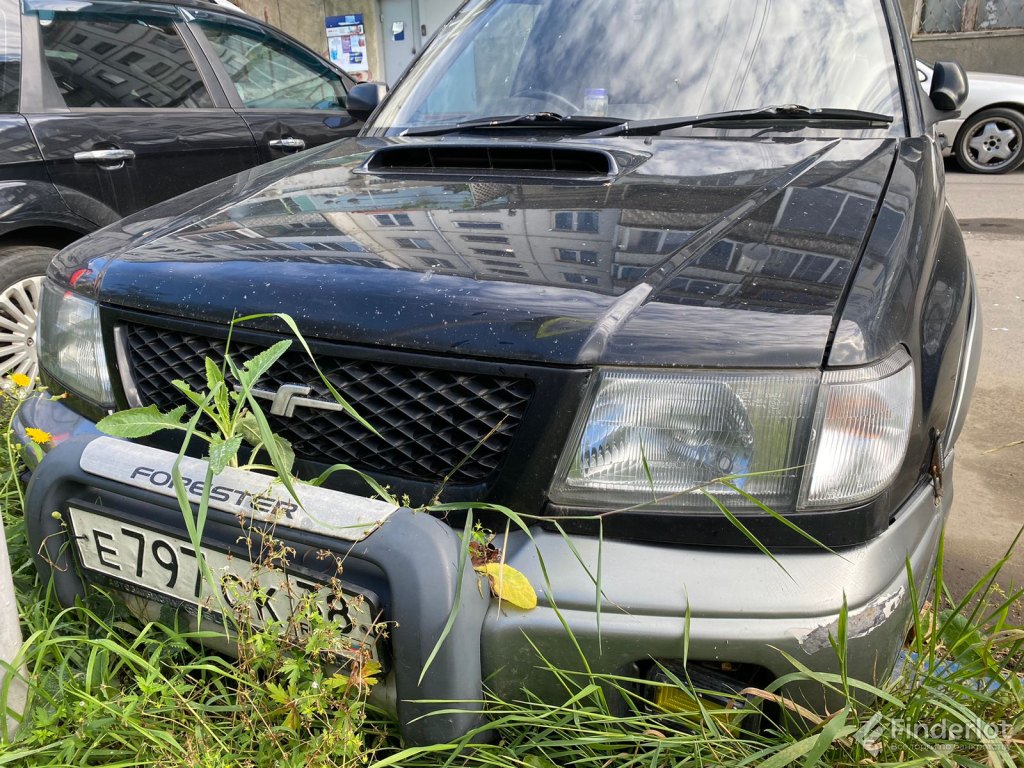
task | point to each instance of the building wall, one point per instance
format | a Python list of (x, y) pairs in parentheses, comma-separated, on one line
[(304, 20), (981, 52)]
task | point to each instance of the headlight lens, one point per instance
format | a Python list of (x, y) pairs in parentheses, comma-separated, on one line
[(71, 344), (796, 440), (655, 437), (861, 431)]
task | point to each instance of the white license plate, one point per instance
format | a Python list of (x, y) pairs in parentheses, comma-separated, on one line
[(137, 556)]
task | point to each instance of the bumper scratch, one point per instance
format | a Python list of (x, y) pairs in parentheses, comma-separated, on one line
[(859, 623)]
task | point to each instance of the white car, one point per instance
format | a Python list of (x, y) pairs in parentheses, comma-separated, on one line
[(988, 137)]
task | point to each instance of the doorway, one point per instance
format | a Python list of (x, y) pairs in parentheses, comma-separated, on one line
[(399, 22), (406, 26)]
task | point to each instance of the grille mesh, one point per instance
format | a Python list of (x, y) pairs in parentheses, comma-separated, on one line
[(432, 423)]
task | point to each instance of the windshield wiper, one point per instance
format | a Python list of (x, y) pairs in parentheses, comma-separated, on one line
[(779, 112), (531, 120)]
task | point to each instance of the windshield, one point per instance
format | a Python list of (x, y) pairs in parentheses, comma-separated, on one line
[(644, 59)]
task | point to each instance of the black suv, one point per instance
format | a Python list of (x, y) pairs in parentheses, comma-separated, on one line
[(109, 107), (644, 268)]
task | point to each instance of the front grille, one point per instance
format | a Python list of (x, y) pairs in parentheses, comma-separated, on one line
[(432, 423)]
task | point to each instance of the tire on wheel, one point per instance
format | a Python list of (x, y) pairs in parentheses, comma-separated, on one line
[(22, 268), (991, 141)]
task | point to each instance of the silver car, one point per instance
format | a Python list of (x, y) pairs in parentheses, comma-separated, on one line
[(988, 137)]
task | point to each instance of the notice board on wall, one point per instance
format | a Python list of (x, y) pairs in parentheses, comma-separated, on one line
[(346, 43)]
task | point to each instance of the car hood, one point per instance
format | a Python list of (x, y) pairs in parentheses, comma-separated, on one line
[(691, 252)]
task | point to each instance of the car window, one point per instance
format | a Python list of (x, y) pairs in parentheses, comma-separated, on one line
[(487, 67), (638, 59), (111, 61), (271, 74), (10, 55)]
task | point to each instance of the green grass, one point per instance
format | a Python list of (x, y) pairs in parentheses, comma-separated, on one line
[(109, 690)]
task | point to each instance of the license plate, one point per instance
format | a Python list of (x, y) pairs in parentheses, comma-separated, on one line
[(135, 556)]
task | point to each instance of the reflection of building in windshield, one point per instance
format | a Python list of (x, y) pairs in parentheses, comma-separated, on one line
[(120, 63)]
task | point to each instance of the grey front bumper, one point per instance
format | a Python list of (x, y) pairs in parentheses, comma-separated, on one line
[(418, 556), (743, 607)]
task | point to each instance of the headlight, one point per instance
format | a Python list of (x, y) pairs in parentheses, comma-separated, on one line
[(656, 435), (792, 440), (861, 431), (71, 344)]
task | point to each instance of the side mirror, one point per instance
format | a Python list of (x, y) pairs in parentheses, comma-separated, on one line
[(364, 98), (949, 86)]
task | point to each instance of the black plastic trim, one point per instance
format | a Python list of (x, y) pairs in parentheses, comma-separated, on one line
[(505, 157), (833, 528)]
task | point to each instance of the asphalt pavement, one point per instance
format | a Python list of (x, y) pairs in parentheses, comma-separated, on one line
[(988, 507)]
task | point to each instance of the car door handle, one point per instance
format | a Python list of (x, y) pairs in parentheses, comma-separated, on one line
[(105, 156), (288, 143)]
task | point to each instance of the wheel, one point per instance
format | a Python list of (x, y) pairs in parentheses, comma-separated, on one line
[(991, 141), (537, 93), (22, 268)]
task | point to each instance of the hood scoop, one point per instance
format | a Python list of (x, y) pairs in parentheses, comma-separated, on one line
[(544, 160)]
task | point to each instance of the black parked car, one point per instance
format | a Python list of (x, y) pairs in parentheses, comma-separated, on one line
[(109, 107), (590, 257)]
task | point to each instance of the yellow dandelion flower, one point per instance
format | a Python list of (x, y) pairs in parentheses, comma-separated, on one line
[(21, 380), (40, 436)]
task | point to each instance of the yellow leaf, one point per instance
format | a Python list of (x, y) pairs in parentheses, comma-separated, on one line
[(363, 674), (38, 435), (369, 670), (21, 380), (510, 585)]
